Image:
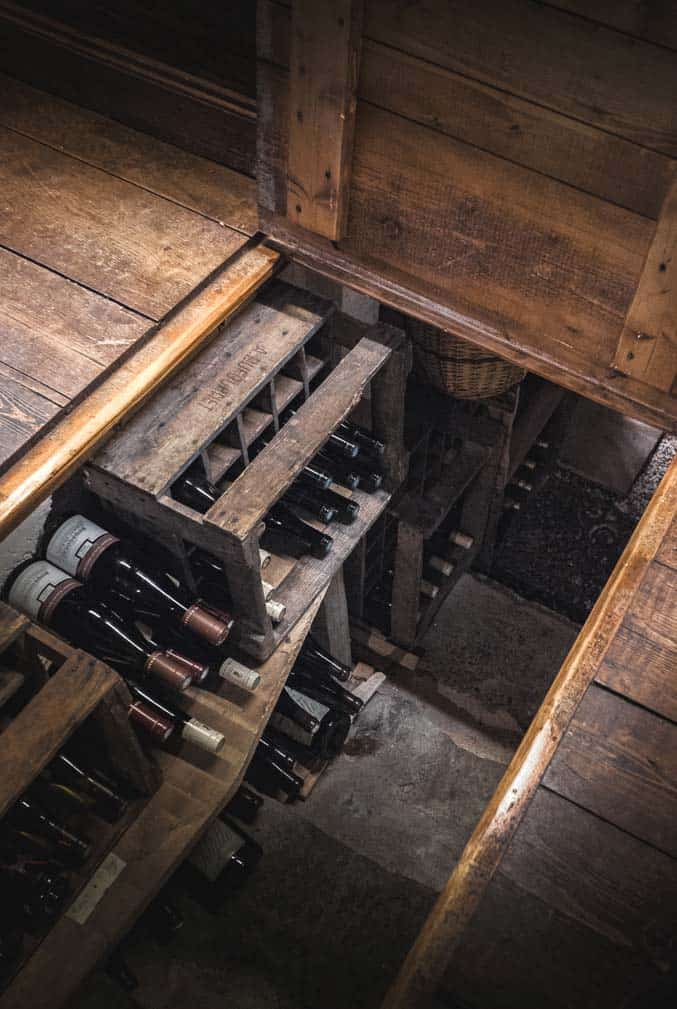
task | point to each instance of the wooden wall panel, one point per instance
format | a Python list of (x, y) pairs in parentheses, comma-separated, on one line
[(654, 20)]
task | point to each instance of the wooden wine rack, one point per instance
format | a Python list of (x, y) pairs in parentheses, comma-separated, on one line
[(180, 791), (280, 351)]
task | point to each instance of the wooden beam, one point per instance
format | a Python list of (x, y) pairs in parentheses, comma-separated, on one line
[(647, 349), (325, 57), (45, 466), (430, 954)]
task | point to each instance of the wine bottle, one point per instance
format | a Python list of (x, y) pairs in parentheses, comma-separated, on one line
[(212, 580), (220, 862), (195, 490), (274, 751), (311, 502), (363, 438), (177, 720), (245, 805), (509, 504), (520, 484), (461, 539), (325, 691), (89, 553), (529, 464), (293, 535), (315, 657), (27, 815), (346, 510), (207, 665), (37, 891), (315, 476), (441, 564), (371, 478), (270, 777), (340, 472), (337, 439), (106, 802), (325, 729), (51, 597)]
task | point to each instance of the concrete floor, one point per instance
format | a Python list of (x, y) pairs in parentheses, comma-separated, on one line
[(348, 877)]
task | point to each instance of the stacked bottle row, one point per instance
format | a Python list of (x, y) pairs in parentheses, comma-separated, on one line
[(351, 458), (44, 839)]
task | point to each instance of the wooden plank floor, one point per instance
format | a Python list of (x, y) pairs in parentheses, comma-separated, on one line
[(103, 232), (566, 896)]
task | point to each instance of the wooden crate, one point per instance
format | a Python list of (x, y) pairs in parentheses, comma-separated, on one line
[(278, 351), (136, 860)]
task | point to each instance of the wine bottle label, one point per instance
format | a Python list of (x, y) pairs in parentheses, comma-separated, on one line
[(39, 589), (150, 722), (170, 670), (214, 629), (214, 851), (102, 880), (242, 676), (285, 725), (309, 704), (77, 545), (204, 737), (276, 611)]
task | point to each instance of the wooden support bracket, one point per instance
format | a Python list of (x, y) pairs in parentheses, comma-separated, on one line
[(325, 57)]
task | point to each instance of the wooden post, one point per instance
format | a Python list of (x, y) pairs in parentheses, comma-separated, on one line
[(333, 622), (647, 349), (325, 57)]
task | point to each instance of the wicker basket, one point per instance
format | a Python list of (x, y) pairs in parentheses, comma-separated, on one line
[(457, 367)]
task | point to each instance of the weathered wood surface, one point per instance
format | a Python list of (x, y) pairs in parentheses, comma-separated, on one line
[(62, 449), (620, 762), (325, 58), (656, 688), (655, 22), (425, 513), (633, 582), (210, 189), (142, 88), (42, 727), (117, 239), (527, 262), (647, 348), (246, 501), (165, 437)]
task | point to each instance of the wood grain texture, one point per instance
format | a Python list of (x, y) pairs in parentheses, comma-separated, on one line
[(247, 500), (155, 97), (12, 626), (647, 348), (56, 456), (434, 947), (226, 196), (593, 74), (26, 406), (427, 512), (655, 21), (656, 687), (653, 613), (165, 437), (492, 119), (324, 66), (43, 726), (620, 763), (667, 553), (598, 875), (107, 234)]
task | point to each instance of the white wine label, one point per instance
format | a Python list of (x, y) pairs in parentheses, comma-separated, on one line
[(102, 880), (242, 676), (37, 587), (215, 850), (309, 704), (77, 544), (291, 729), (204, 737)]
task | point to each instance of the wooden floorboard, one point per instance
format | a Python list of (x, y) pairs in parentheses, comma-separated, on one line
[(210, 189), (117, 239), (653, 612), (656, 687)]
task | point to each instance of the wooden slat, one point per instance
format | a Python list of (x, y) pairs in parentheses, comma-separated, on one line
[(667, 553), (26, 406), (247, 500), (540, 406), (56, 456), (212, 190), (464, 890), (653, 612), (41, 728), (598, 875), (12, 625), (115, 238), (164, 438), (593, 74), (427, 512), (518, 953), (490, 118), (647, 348), (152, 96), (620, 762), (642, 670), (325, 57), (656, 22)]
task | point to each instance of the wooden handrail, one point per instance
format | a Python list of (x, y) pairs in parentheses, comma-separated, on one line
[(49, 462), (425, 964)]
